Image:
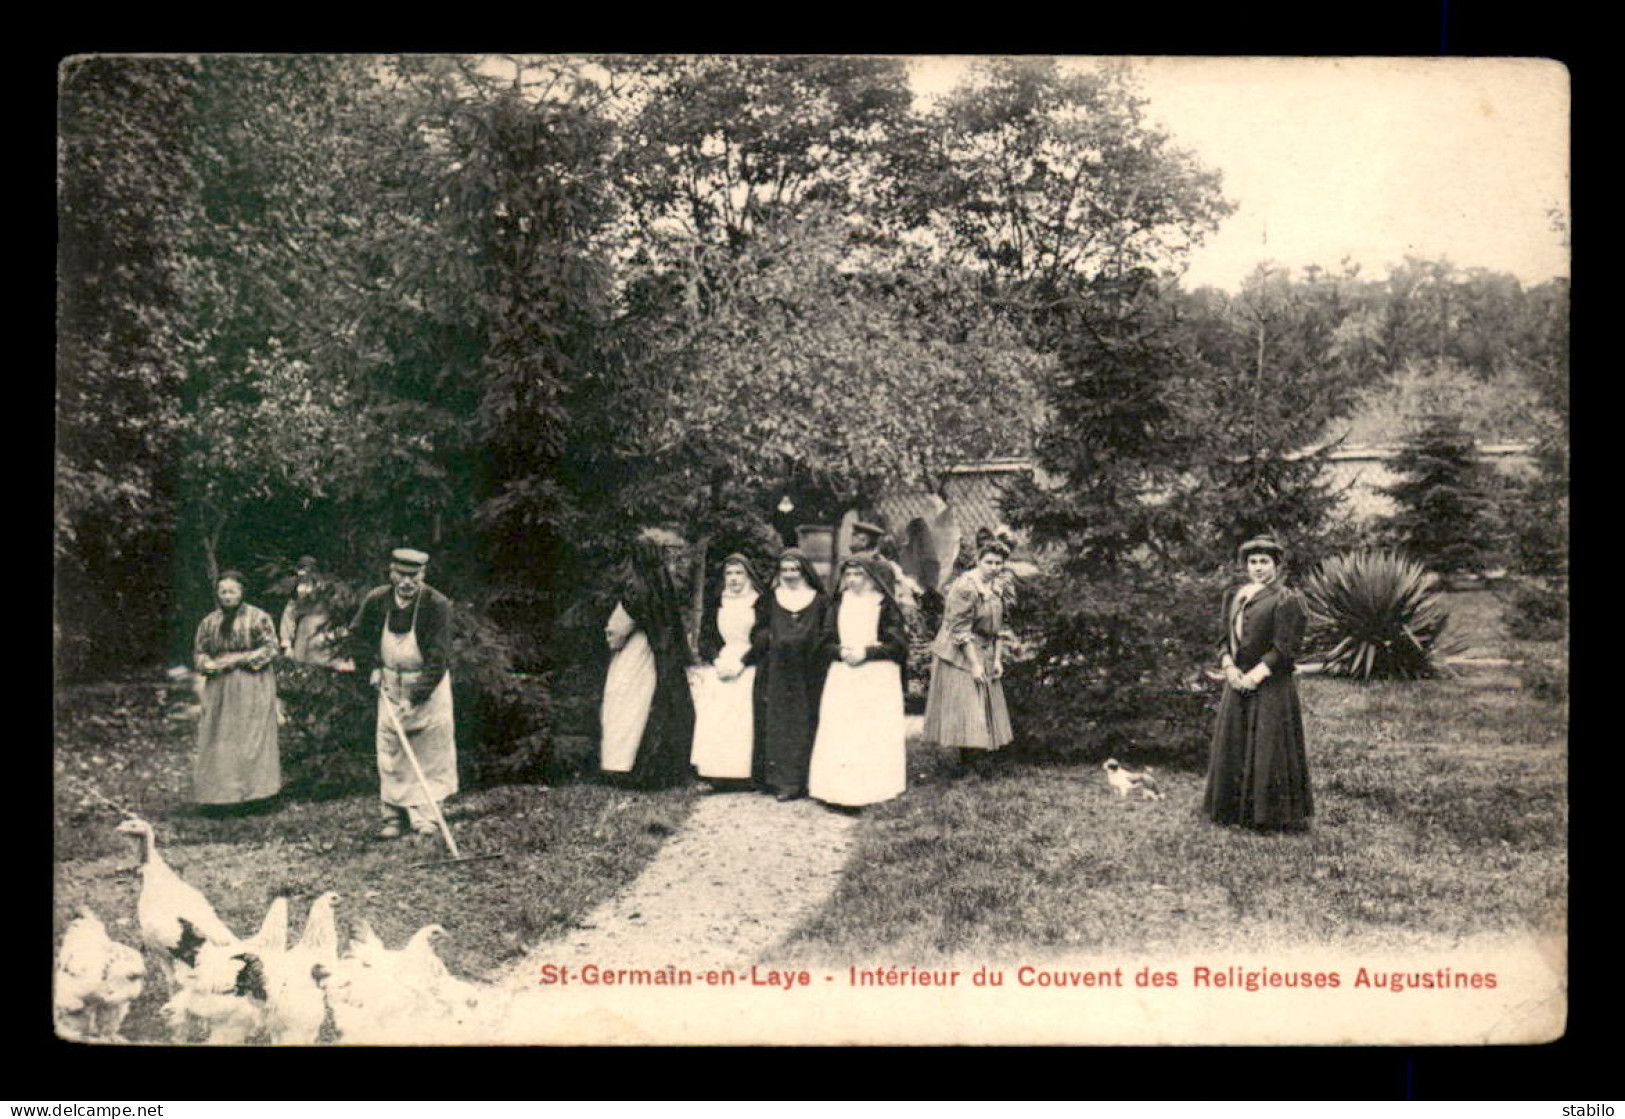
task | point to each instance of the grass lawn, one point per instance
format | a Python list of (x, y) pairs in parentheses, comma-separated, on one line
[(565, 849), (1441, 811)]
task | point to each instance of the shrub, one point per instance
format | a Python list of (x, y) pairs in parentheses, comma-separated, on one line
[(1535, 610), (1377, 615), (1127, 681), (327, 734), (1545, 680)]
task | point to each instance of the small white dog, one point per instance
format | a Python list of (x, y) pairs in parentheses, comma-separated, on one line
[(1124, 781)]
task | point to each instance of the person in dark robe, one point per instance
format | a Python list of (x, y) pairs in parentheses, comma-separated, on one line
[(648, 710), (790, 679), (1258, 769), (860, 754)]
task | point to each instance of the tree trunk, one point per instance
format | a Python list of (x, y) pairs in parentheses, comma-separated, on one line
[(701, 551), (211, 547)]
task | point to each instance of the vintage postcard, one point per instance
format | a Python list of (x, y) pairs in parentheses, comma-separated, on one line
[(811, 550)]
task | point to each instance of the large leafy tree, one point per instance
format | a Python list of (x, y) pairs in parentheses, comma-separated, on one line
[(1078, 213), (718, 147), (330, 339), (127, 197), (771, 335)]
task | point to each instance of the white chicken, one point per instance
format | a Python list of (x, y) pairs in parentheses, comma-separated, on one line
[(319, 942), (273, 934), (1124, 780), (381, 996), (174, 916), (370, 1006), (296, 1006), (223, 990), (96, 980)]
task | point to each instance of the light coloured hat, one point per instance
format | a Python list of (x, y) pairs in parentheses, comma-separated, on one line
[(408, 560)]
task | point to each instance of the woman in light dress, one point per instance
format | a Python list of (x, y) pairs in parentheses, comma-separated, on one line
[(237, 759), (859, 754), (733, 637), (965, 707), (648, 712)]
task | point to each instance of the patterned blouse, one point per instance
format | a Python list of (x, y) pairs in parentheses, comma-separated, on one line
[(251, 630)]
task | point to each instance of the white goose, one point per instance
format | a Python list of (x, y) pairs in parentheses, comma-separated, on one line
[(174, 916)]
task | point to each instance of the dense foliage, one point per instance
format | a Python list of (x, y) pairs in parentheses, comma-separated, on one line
[(509, 309)]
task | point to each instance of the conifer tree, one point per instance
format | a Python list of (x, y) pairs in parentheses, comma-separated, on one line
[(1445, 498)]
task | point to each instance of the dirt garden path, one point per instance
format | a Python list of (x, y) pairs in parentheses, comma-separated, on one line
[(739, 876), (742, 872)]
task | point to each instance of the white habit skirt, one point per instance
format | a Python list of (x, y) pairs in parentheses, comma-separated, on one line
[(859, 755)]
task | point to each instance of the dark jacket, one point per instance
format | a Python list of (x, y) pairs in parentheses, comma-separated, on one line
[(1272, 624), (433, 614)]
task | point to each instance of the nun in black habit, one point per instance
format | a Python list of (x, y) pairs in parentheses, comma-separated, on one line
[(790, 679), (648, 710)]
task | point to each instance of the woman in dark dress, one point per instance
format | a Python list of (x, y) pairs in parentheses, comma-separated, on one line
[(790, 679), (1258, 769), (648, 710)]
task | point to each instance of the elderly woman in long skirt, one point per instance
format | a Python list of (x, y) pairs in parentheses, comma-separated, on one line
[(648, 712), (965, 707), (733, 638), (859, 754), (1258, 769), (237, 759)]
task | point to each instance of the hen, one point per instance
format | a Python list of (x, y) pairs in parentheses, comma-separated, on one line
[(273, 934), (296, 1005), (223, 991), (96, 980), (381, 996)]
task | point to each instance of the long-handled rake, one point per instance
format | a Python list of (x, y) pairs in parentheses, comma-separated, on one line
[(434, 805)]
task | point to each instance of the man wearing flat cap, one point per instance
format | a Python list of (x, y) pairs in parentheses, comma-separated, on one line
[(402, 635), (865, 544)]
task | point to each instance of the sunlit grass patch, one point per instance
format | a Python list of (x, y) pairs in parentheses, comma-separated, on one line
[(1441, 811)]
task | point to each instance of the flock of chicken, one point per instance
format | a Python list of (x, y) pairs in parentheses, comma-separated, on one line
[(227, 990)]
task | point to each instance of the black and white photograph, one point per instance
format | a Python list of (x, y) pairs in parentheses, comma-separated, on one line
[(811, 549)]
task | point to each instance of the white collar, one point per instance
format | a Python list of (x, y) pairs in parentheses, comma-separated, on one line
[(794, 600)]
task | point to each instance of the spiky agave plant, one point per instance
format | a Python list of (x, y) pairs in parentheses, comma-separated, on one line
[(1379, 615)]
